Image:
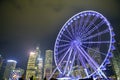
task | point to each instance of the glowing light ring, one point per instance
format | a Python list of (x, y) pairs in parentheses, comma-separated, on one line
[(85, 34)]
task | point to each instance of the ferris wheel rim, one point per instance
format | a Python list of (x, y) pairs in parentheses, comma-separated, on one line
[(110, 33)]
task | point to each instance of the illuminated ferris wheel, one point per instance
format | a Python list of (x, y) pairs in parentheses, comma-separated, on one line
[(84, 45)]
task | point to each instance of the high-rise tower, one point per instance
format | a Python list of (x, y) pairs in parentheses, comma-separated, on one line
[(39, 72), (48, 63), (34, 65), (1, 69), (11, 64), (1, 61)]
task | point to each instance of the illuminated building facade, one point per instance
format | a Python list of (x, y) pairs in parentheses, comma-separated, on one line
[(34, 65), (31, 69), (48, 63), (1, 67), (16, 74), (1, 61), (11, 64), (39, 75)]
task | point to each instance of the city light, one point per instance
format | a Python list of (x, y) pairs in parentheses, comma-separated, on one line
[(40, 59), (32, 53), (11, 61), (15, 76)]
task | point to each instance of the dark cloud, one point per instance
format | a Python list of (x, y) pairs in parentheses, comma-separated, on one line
[(34, 17)]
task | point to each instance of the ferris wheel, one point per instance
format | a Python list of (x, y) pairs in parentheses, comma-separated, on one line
[(84, 45)]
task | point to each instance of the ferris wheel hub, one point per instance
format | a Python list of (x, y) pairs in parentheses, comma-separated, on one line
[(76, 43)]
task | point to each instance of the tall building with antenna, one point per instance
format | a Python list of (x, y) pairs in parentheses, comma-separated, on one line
[(35, 65), (39, 72)]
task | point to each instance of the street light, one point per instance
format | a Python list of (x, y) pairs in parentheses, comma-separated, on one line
[(32, 53)]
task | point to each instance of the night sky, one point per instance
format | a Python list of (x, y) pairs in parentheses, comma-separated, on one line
[(27, 23)]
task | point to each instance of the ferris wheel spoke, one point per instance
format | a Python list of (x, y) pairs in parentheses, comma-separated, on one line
[(84, 63), (64, 45), (85, 24), (95, 42), (81, 23), (87, 20), (67, 36), (90, 24), (94, 50), (86, 58), (89, 57), (59, 52), (60, 57), (91, 62), (96, 35), (62, 40), (62, 54), (76, 25), (71, 66), (81, 60), (95, 28), (61, 60), (68, 60), (69, 33), (72, 30), (81, 63)]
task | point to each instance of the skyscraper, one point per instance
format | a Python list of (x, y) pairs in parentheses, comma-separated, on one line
[(11, 64), (1, 67), (48, 63), (34, 65), (39, 74), (1, 61)]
